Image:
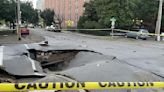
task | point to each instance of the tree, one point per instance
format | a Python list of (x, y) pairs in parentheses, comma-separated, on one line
[(102, 11), (29, 14), (8, 11), (3, 3), (48, 16), (90, 17), (81, 22), (125, 11), (59, 20), (90, 11), (147, 11), (35, 17), (120, 9)]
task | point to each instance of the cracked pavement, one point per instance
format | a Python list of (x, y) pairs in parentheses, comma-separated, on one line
[(144, 55), (134, 60)]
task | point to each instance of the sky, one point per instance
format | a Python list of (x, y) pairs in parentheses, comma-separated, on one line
[(33, 1)]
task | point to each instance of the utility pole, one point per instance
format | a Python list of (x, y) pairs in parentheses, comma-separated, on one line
[(18, 20), (158, 24)]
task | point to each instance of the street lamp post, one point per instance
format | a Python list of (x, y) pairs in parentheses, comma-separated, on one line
[(158, 24), (18, 20)]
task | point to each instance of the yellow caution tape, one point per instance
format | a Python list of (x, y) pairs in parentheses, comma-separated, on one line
[(78, 85), (152, 34), (120, 30)]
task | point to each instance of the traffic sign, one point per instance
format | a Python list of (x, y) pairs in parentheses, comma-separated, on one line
[(113, 20), (69, 23)]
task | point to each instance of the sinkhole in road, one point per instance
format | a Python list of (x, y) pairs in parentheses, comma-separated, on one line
[(56, 60)]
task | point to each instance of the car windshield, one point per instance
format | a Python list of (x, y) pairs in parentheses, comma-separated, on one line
[(82, 45), (144, 31)]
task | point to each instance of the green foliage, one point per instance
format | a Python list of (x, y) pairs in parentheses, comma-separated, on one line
[(89, 19), (90, 12), (92, 25), (35, 18), (2, 8), (29, 14), (48, 16), (8, 11), (125, 11), (96, 32), (81, 21), (146, 10)]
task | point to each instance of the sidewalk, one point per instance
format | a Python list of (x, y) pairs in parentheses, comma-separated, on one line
[(7, 37)]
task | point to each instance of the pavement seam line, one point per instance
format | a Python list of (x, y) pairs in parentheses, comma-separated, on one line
[(26, 46), (1, 55), (32, 61)]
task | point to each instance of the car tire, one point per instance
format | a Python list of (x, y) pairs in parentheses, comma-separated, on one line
[(144, 39), (126, 36), (137, 37)]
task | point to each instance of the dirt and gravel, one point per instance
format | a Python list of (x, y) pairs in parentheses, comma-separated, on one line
[(8, 37)]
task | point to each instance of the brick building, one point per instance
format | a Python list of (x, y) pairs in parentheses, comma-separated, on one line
[(67, 9), (40, 4)]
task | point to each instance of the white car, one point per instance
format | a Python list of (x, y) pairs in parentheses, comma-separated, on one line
[(31, 26), (47, 28), (52, 28), (4, 27)]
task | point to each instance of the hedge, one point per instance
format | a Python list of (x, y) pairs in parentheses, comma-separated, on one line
[(96, 32)]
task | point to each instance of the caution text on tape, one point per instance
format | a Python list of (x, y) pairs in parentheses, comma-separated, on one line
[(79, 85)]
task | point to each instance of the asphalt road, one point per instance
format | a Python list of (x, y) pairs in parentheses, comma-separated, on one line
[(138, 60), (142, 54)]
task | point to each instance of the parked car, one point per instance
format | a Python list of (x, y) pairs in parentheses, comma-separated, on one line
[(52, 28), (4, 27), (24, 30), (31, 26), (138, 34), (47, 28)]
